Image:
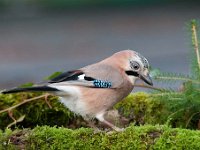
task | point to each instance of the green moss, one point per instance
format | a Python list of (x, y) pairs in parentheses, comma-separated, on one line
[(134, 137), (139, 108), (36, 112), (143, 108), (179, 139), (4, 139)]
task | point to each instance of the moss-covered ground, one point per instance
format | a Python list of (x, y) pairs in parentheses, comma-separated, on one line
[(134, 137), (47, 124)]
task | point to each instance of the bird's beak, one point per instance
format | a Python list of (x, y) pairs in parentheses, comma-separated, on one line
[(146, 78)]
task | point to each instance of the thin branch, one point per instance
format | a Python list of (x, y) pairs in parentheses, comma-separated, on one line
[(170, 94), (182, 109), (10, 113), (46, 100), (178, 78), (25, 101), (195, 42), (149, 87), (16, 121), (188, 121)]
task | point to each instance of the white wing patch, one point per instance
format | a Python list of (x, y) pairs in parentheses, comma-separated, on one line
[(81, 77)]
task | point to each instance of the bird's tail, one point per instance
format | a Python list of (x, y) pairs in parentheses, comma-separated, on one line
[(31, 89)]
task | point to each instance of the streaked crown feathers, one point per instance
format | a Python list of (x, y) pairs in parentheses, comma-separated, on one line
[(143, 60)]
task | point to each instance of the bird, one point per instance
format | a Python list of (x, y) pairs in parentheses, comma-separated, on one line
[(94, 89)]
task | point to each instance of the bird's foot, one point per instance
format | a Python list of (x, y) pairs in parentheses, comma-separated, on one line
[(116, 130), (119, 129)]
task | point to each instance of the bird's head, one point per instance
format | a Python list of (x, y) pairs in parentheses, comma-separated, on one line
[(135, 66)]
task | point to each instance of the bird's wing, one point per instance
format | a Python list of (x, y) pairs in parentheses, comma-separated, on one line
[(100, 76), (67, 76), (105, 72)]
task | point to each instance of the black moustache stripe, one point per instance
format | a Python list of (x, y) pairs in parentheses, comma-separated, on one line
[(132, 73)]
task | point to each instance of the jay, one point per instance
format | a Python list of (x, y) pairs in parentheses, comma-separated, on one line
[(92, 90)]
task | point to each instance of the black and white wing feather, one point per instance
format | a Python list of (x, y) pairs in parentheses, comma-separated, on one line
[(67, 76), (78, 77), (90, 76)]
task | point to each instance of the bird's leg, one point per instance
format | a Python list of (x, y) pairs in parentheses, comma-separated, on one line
[(112, 126), (101, 118), (92, 125)]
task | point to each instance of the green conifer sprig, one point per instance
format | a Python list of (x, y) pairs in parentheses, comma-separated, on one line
[(185, 105), (194, 75), (166, 76)]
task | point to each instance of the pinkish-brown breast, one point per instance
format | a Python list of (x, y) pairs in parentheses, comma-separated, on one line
[(101, 99)]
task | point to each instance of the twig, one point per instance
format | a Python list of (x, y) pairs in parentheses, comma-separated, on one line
[(10, 113), (16, 121), (188, 121), (195, 42), (182, 109), (46, 100), (163, 94), (149, 87), (25, 101), (178, 78)]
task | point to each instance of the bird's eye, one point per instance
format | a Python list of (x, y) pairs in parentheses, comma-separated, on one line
[(135, 65)]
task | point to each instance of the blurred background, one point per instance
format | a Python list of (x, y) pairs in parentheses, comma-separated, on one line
[(39, 37)]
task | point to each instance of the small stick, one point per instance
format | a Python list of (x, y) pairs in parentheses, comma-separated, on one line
[(25, 101), (149, 87), (46, 100), (10, 113)]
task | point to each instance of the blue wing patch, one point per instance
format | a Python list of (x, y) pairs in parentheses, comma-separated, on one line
[(102, 84)]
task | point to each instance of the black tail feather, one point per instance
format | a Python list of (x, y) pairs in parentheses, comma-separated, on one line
[(31, 89)]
